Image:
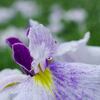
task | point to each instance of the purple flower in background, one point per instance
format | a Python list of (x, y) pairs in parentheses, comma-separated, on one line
[(47, 78)]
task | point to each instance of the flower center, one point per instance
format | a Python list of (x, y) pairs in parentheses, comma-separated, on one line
[(44, 79)]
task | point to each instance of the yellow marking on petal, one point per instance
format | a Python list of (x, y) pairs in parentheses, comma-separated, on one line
[(11, 84), (44, 79)]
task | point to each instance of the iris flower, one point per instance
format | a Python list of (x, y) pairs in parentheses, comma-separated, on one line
[(45, 77)]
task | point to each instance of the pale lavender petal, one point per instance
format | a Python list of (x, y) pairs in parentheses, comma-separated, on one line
[(75, 81), (41, 44), (79, 51), (9, 72), (39, 35), (94, 57), (11, 79), (73, 46), (12, 40), (29, 90), (22, 56)]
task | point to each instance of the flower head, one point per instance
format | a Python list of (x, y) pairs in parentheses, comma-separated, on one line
[(80, 15), (48, 79)]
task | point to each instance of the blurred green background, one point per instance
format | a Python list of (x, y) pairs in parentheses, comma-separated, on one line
[(71, 30)]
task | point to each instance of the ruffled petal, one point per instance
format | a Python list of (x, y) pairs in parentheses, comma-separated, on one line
[(22, 56), (12, 40), (72, 46), (79, 51), (76, 81), (41, 44)]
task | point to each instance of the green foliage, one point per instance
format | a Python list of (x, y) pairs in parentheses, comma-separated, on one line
[(6, 60)]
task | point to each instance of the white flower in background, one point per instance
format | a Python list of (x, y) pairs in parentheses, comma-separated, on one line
[(55, 18), (11, 31), (79, 51), (6, 14), (27, 8), (75, 15)]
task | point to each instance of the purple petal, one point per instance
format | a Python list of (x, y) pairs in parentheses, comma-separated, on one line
[(22, 56), (76, 81), (12, 40)]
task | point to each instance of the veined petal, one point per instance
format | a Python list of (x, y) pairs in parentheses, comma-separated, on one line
[(40, 35), (9, 81), (76, 81), (72, 46), (22, 56), (72, 81), (12, 40), (29, 90), (41, 44)]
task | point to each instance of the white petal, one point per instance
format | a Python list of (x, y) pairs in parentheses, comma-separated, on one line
[(88, 54), (5, 81), (72, 46), (27, 89), (79, 51), (8, 77), (41, 43), (8, 94), (4, 96), (95, 55), (9, 72)]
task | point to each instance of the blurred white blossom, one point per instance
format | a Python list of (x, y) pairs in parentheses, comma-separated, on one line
[(75, 15), (11, 31), (26, 8), (6, 14), (56, 15)]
